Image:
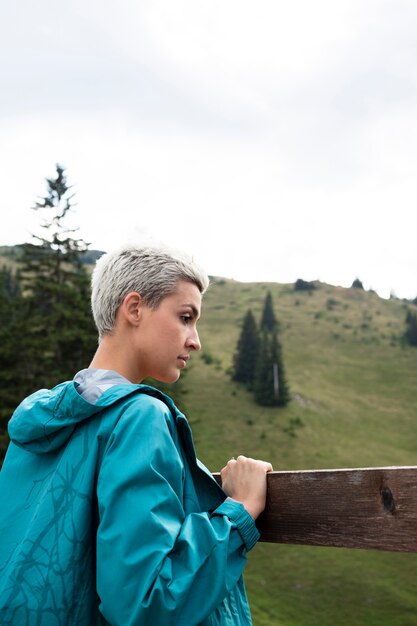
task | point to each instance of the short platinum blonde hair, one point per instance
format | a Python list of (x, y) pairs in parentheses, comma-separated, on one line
[(151, 271)]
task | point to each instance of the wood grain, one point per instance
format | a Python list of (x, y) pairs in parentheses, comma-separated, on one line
[(370, 508)]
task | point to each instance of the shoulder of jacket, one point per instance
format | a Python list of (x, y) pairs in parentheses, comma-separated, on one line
[(150, 398), (143, 407), (135, 419)]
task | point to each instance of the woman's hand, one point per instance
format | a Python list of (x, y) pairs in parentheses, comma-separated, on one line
[(244, 480)]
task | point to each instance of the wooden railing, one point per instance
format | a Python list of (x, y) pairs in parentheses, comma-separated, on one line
[(373, 508)]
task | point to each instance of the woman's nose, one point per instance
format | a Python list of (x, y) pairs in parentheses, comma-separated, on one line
[(194, 341)]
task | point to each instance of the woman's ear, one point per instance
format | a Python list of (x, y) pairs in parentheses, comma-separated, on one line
[(131, 308)]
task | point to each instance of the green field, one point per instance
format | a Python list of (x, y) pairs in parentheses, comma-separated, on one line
[(354, 397)]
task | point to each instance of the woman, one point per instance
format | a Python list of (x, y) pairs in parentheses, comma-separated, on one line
[(109, 518)]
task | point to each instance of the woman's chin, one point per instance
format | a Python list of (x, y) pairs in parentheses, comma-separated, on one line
[(168, 379)]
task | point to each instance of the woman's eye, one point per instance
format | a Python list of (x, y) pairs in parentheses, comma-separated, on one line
[(186, 318)]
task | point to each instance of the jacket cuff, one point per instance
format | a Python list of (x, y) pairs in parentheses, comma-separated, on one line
[(245, 524)]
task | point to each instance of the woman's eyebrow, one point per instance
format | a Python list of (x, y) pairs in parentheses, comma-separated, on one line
[(194, 309)]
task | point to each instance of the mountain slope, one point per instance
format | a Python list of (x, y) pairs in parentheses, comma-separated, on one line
[(354, 389)]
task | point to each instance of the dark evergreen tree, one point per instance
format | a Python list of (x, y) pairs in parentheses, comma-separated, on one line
[(411, 328), (280, 380), (9, 285), (11, 328), (58, 336), (263, 385), (244, 361), (269, 322), (303, 285), (270, 384), (357, 284)]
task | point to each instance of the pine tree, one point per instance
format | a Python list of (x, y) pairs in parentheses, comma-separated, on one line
[(60, 337), (11, 318), (263, 386), (269, 322), (244, 361), (411, 328), (357, 284), (282, 392), (304, 285), (270, 385)]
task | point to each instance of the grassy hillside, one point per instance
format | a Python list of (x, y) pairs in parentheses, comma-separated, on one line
[(354, 389), (354, 399)]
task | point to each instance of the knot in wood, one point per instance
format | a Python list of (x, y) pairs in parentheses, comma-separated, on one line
[(388, 500)]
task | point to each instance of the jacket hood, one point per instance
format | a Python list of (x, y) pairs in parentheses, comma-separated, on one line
[(45, 420)]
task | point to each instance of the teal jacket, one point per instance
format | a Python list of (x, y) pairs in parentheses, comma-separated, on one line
[(107, 517)]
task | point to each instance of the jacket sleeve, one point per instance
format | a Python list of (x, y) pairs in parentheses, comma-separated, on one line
[(156, 565)]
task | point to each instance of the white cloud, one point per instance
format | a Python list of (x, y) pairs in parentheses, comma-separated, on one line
[(274, 140)]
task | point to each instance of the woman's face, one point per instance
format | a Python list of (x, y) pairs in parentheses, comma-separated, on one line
[(166, 336)]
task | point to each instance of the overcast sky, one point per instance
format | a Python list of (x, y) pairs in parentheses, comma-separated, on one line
[(273, 140)]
